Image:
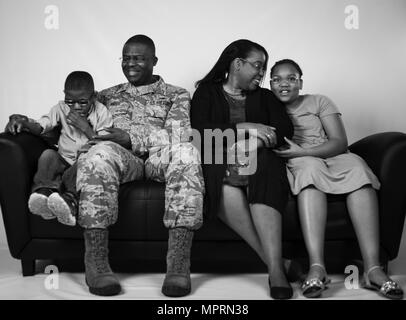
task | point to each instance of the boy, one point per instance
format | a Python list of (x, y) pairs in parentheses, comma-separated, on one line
[(81, 118)]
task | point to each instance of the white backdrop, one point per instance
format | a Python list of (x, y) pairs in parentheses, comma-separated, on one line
[(363, 70)]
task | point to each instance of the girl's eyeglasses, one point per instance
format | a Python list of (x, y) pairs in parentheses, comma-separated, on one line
[(291, 80)]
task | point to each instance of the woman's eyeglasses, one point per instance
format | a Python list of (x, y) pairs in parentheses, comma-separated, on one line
[(259, 66)]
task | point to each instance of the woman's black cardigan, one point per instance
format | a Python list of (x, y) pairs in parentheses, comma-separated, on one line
[(210, 110)]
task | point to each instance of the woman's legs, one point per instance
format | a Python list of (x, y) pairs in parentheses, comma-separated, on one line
[(235, 213), (362, 206), (260, 226), (312, 205), (268, 224)]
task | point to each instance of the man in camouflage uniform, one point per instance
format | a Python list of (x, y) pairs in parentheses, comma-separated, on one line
[(151, 121)]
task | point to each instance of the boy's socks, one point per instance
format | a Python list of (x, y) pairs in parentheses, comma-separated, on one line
[(64, 206), (38, 203)]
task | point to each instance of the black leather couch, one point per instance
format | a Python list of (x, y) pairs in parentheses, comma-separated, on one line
[(139, 239)]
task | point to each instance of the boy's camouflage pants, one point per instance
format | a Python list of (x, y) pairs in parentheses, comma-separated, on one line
[(107, 165)]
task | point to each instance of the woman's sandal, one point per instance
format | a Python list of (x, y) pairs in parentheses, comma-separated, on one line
[(389, 289), (313, 288)]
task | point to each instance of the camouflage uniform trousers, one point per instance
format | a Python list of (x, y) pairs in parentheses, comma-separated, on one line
[(107, 165)]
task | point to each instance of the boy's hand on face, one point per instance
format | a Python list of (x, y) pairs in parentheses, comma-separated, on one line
[(79, 122)]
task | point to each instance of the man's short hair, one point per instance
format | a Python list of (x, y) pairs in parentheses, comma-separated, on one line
[(79, 80), (142, 39)]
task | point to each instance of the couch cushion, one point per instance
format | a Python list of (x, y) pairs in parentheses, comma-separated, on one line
[(141, 208)]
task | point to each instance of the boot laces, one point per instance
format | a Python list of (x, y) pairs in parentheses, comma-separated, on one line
[(101, 262)]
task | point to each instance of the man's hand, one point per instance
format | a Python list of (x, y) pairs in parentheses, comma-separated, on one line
[(16, 124), (116, 135)]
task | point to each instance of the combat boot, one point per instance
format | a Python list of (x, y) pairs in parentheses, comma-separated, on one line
[(99, 276), (177, 281)]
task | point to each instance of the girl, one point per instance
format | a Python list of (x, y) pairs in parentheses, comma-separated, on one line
[(319, 163)]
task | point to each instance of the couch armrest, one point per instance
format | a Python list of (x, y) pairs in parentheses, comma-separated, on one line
[(385, 153), (18, 162)]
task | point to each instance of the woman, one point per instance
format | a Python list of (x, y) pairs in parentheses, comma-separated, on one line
[(229, 98), (320, 163)]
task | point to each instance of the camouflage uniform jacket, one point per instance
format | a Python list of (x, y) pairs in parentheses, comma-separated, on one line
[(154, 115)]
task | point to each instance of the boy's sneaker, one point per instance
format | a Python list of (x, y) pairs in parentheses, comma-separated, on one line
[(64, 206), (38, 203)]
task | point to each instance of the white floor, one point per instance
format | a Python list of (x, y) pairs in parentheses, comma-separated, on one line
[(148, 286)]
